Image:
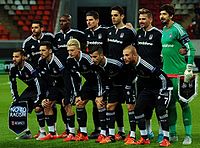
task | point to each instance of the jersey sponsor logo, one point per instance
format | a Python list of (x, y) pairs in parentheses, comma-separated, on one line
[(60, 46), (167, 45), (122, 35), (94, 43), (145, 43), (99, 36), (54, 70), (150, 36), (115, 41)]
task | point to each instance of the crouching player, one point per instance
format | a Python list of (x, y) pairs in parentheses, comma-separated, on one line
[(51, 69), (33, 94), (80, 64), (117, 85), (164, 88)]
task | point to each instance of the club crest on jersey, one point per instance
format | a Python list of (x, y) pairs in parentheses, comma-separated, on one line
[(59, 39), (32, 46), (150, 36), (99, 36), (121, 35), (139, 36), (84, 67), (26, 75), (110, 33), (88, 36), (54, 70), (170, 35)]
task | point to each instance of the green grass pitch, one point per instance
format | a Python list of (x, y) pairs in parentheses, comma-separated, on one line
[(7, 138)]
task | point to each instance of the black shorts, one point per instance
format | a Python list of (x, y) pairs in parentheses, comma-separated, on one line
[(29, 95), (55, 94), (146, 101), (88, 91), (116, 94)]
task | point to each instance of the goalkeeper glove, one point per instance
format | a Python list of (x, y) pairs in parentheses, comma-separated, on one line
[(188, 74)]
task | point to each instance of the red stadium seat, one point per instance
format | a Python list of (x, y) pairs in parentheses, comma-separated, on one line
[(18, 12), (41, 7), (20, 23), (34, 7), (47, 12), (37, 17), (45, 17), (26, 28), (30, 17), (39, 12), (41, 2)]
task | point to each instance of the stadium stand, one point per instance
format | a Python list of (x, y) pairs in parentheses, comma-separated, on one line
[(20, 13)]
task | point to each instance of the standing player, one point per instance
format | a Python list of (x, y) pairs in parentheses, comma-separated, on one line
[(95, 35), (173, 39), (161, 99), (33, 94), (149, 48), (61, 39), (117, 84), (119, 36), (66, 33), (31, 44)]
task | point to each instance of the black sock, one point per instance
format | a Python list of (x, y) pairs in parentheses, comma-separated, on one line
[(54, 108), (50, 122), (41, 118), (102, 117), (95, 115), (110, 118), (132, 121), (119, 115), (64, 116), (81, 117), (71, 120)]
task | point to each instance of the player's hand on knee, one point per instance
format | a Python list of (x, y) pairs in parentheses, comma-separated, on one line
[(99, 101), (45, 103), (77, 101)]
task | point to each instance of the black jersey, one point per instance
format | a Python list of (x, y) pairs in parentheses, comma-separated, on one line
[(52, 72), (149, 45), (118, 39), (84, 66), (62, 38), (158, 78), (28, 75), (116, 73), (97, 37), (31, 46)]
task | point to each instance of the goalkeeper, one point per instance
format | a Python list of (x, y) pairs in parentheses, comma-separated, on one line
[(175, 41)]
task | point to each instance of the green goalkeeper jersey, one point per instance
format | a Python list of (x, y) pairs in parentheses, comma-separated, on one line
[(173, 39)]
